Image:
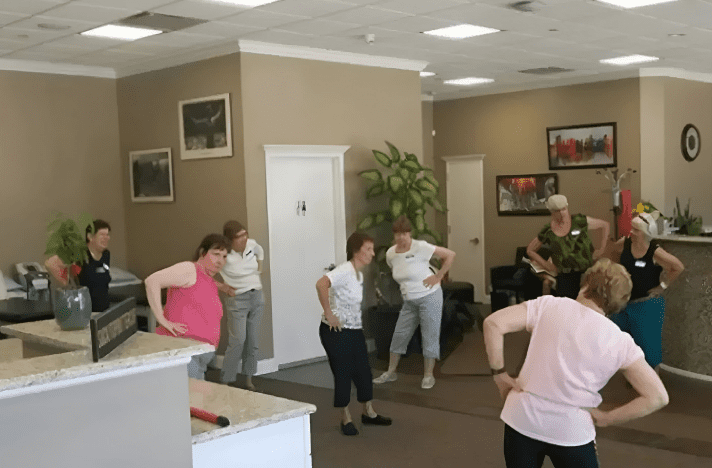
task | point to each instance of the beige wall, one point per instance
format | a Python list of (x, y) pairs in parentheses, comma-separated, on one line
[(429, 157), (295, 101), (510, 129), (208, 192), (688, 102), (59, 151)]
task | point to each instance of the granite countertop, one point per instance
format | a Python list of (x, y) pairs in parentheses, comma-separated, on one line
[(245, 409), (74, 359), (688, 239)]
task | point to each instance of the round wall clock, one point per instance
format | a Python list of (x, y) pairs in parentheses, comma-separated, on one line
[(690, 142)]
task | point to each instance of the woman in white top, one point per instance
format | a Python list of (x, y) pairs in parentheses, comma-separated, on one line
[(551, 408), (245, 303), (340, 293), (422, 298)]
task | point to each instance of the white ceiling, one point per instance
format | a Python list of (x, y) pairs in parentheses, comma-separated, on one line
[(573, 34)]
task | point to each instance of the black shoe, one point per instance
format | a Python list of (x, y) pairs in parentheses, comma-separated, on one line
[(377, 421), (349, 429)]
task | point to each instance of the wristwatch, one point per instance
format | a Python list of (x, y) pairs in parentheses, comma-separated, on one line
[(498, 371), (663, 285)]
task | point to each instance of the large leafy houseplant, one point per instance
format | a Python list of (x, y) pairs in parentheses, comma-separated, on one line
[(411, 188), (67, 240)]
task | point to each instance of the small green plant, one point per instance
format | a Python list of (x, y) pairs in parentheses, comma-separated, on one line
[(68, 242), (411, 187), (688, 224)]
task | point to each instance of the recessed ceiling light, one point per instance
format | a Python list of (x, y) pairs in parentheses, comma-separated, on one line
[(124, 33), (676, 35), (634, 3), (247, 3), (629, 60), (468, 81), (461, 31), (426, 74), (53, 27)]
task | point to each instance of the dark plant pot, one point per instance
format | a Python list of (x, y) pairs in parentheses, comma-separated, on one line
[(72, 308)]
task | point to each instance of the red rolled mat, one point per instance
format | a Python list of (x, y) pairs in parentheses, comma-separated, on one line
[(221, 421)]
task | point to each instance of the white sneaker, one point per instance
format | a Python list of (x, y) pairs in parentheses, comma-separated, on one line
[(427, 382), (385, 377)]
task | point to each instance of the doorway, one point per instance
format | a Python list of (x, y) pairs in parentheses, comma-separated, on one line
[(465, 220), (307, 234)]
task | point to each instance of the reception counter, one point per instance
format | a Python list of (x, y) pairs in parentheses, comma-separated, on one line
[(687, 330), (59, 408)]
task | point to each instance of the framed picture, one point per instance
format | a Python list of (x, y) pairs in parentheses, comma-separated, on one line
[(525, 194), (151, 175), (582, 146), (205, 128)]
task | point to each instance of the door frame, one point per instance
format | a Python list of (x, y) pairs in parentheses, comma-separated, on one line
[(335, 154), (480, 158)]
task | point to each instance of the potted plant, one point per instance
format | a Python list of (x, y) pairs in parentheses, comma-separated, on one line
[(411, 187), (71, 302), (686, 223)]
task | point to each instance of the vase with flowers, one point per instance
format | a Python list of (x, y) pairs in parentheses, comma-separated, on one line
[(67, 249)]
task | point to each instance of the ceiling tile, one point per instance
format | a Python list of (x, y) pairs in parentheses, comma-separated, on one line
[(74, 25), (263, 19), (317, 27), (180, 39), (313, 8), (417, 24), (87, 42), (220, 29), (91, 13), (142, 5), (417, 7), (689, 12), (284, 37), (12, 44), (200, 10), (366, 16), (7, 18), (29, 7)]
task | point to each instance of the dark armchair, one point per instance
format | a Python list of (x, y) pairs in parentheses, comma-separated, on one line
[(517, 281)]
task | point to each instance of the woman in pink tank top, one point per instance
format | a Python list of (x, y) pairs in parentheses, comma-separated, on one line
[(193, 308)]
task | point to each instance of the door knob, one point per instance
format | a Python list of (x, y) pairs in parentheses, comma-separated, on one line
[(475, 241)]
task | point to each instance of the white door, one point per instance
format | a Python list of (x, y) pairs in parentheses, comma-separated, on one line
[(306, 230), (465, 219)]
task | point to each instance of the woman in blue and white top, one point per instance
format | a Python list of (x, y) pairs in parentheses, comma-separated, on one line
[(244, 304), (422, 298), (340, 293)]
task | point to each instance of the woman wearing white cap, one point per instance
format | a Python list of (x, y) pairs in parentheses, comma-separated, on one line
[(644, 314), (572, 250)]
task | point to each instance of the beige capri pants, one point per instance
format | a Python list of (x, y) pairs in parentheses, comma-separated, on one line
[(426, 311)]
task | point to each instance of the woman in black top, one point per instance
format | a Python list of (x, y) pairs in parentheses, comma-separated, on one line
[(645, 260), (95, 273)]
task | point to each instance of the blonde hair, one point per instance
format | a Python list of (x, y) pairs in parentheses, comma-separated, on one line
[(607, 284)]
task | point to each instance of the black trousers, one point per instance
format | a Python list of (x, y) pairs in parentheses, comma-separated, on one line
[(348, 359), (568, 284), (521, 451)]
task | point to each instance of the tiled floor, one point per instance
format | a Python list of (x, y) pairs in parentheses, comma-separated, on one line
[(679, 435)]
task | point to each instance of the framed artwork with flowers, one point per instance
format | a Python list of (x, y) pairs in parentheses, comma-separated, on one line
[(525, 194)]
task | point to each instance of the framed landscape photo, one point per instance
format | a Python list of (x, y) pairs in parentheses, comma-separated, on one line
[(151, 175), (582, 146), (519, 195), (205, 127)]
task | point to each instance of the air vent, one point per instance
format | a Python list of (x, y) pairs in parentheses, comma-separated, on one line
[(165, 23), (546, 71), (525, 6)]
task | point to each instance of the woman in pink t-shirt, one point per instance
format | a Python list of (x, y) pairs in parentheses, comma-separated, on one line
[(551, 407), (193, 308)]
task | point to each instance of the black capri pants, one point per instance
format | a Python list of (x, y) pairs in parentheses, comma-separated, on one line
[(521, 451), (568, 284), (348, 359)]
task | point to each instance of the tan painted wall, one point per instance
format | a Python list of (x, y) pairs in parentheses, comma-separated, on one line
[(59, 151), (429, 156), (688, 102), (208, 192), (295, 101), (510, 129), (652, 141)]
